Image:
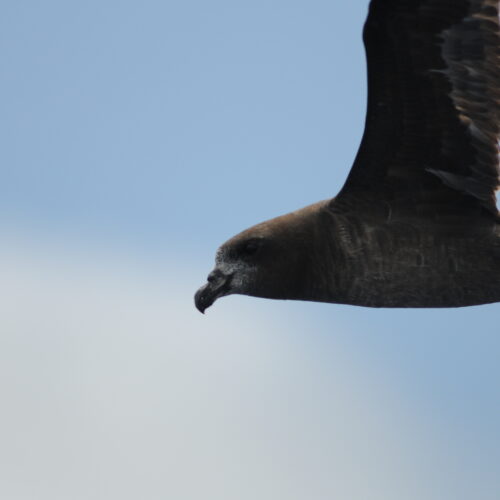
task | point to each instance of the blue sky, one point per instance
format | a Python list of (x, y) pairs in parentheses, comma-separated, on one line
[(154, 131), (152, 113)]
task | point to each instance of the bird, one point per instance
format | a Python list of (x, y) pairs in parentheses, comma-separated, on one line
[(416, 222)]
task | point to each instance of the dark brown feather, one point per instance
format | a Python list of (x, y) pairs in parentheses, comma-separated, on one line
[(432, 128)]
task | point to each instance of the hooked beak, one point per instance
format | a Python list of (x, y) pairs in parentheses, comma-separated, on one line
[(218, 285)]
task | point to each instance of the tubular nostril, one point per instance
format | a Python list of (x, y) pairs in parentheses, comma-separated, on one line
[(213, 276)]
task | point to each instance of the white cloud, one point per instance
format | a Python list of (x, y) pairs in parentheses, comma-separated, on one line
[(114, 387)]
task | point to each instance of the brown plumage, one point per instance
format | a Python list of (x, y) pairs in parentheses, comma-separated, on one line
[(416, 223)]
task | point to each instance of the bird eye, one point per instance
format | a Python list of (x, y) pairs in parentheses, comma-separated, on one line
[(251, 247)]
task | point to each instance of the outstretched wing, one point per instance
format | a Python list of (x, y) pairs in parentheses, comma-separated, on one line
[(433, 119)]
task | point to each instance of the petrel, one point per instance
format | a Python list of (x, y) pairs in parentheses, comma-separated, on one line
[(416, 223)]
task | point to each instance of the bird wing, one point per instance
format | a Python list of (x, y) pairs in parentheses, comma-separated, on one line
[(433, 119)]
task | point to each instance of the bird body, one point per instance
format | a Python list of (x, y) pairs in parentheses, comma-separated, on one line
[(416, 223), (404, 262)]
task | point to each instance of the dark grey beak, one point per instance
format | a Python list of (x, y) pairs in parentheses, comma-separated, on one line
[(217, 286)]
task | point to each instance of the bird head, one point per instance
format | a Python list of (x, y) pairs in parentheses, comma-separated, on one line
[(267, 260)]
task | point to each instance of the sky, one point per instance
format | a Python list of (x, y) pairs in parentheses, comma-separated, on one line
[(137, 137)]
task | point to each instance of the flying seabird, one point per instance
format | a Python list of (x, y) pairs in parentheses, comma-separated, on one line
[(416, 223)]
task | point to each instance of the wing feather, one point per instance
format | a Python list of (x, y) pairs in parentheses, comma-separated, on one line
[(433, 119)]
